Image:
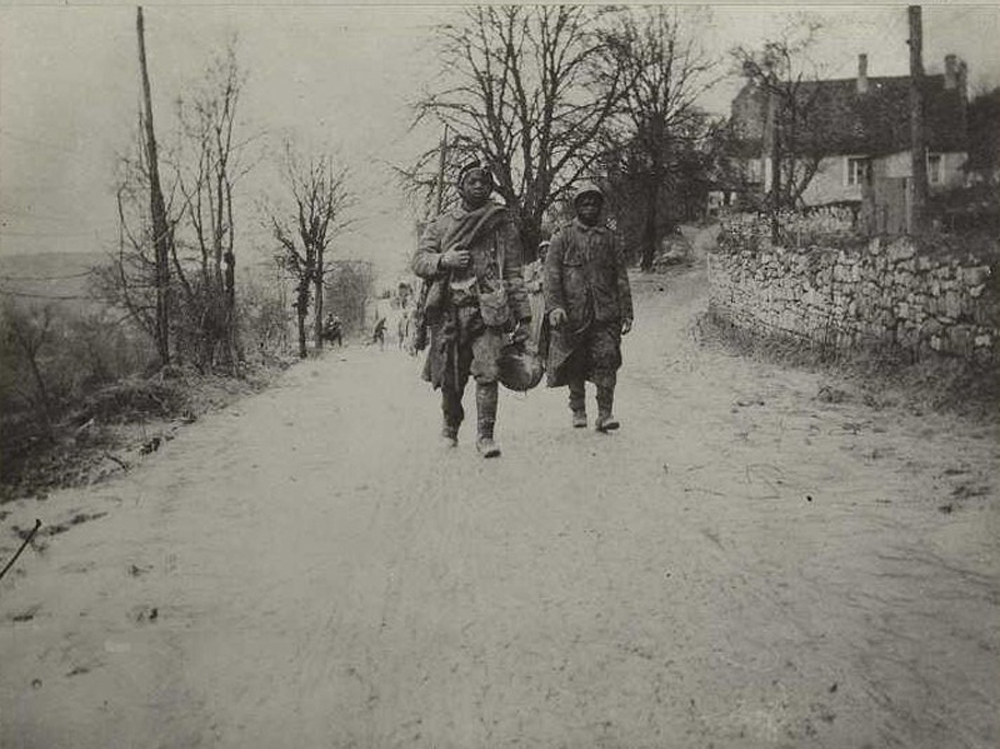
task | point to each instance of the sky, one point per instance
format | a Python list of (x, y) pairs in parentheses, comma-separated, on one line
[(331, 77)]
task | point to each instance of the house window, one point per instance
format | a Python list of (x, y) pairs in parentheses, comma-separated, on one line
[(857, 170), (935, 169)]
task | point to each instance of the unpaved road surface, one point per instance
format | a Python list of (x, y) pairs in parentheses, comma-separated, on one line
[(742, 565)]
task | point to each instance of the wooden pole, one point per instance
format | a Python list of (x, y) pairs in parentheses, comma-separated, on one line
[(157, 208), (918, 145), (442, 158)]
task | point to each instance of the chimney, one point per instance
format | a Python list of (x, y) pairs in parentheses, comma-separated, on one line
[(862, 73), (950, 72)]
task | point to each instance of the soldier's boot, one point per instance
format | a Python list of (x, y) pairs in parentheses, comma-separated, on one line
[(452, 412), (606, 421), (486, 413), (578, 403)]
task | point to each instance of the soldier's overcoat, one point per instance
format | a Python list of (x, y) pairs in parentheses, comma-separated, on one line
[(586, 275), (459, 340)]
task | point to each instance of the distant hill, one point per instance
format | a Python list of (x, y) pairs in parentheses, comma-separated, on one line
[(57, 277)]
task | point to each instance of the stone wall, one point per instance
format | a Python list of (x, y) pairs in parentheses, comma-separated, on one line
[(929, 301)]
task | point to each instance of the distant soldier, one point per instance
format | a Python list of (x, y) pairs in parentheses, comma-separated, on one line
[(471, 257), (589, 306), (333, 329), (378, 334)]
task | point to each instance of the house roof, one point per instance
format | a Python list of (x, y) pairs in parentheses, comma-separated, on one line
[(843, 121)]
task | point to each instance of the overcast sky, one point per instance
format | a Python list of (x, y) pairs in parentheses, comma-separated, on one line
[(330, 76)]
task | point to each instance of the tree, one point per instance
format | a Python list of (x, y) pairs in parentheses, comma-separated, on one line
[(318, 214), (783, 74), (657, 154), (202, 164), (351, 286), (25, 332), (208, 167), (530, 88)]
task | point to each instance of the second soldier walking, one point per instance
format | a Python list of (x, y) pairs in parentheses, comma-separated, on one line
[(589, 304)]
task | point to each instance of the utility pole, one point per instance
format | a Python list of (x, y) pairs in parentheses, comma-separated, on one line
[(157, 208), (775, 113), (918, 145), (442, 158)]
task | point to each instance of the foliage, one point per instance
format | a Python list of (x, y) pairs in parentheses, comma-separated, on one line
[(659, 156), (350, 287), (975, 208), (50, 361), (264, 315), (984, 137)]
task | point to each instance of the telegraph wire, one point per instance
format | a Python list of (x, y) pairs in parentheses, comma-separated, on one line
[(5, 277), (51, 297)]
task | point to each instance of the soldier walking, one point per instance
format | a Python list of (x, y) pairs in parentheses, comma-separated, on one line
[(589, 305), (471, 257)]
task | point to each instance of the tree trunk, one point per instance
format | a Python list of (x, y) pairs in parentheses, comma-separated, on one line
[(776, 182), (531, 237), (648, 242), (232, 341), (302, 309), (43, 392), (303, 352), (918, 141), (318, 304), (158, 210)]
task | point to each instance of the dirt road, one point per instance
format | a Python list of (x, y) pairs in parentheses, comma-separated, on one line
[(742, 565)]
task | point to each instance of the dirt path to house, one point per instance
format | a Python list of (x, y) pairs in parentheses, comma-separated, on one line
[(744, 564)]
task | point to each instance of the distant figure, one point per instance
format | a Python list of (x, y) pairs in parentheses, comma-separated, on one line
[(379, 333), (333, 330), (403, 329)]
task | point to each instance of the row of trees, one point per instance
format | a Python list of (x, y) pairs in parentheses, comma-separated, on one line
[(553, 94), (550, 95), (175, 270)]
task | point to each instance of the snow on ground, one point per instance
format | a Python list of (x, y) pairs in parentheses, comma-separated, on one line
[(742, 565)]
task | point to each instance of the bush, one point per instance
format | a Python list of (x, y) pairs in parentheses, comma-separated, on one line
[(51, 360), (972, 209)]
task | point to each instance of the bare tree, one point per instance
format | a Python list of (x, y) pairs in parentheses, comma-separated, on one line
[(206, 176), (320, 201), (202, 164), (661, 124), (529, 88), (783, 73)]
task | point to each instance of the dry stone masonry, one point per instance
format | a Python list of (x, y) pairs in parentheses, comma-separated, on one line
[(926, 301)]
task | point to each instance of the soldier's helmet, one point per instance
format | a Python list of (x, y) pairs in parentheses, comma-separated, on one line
[(587, 188), (520, 368), (474, 165)]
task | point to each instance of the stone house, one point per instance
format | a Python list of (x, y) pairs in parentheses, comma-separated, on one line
[(856, 134)]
